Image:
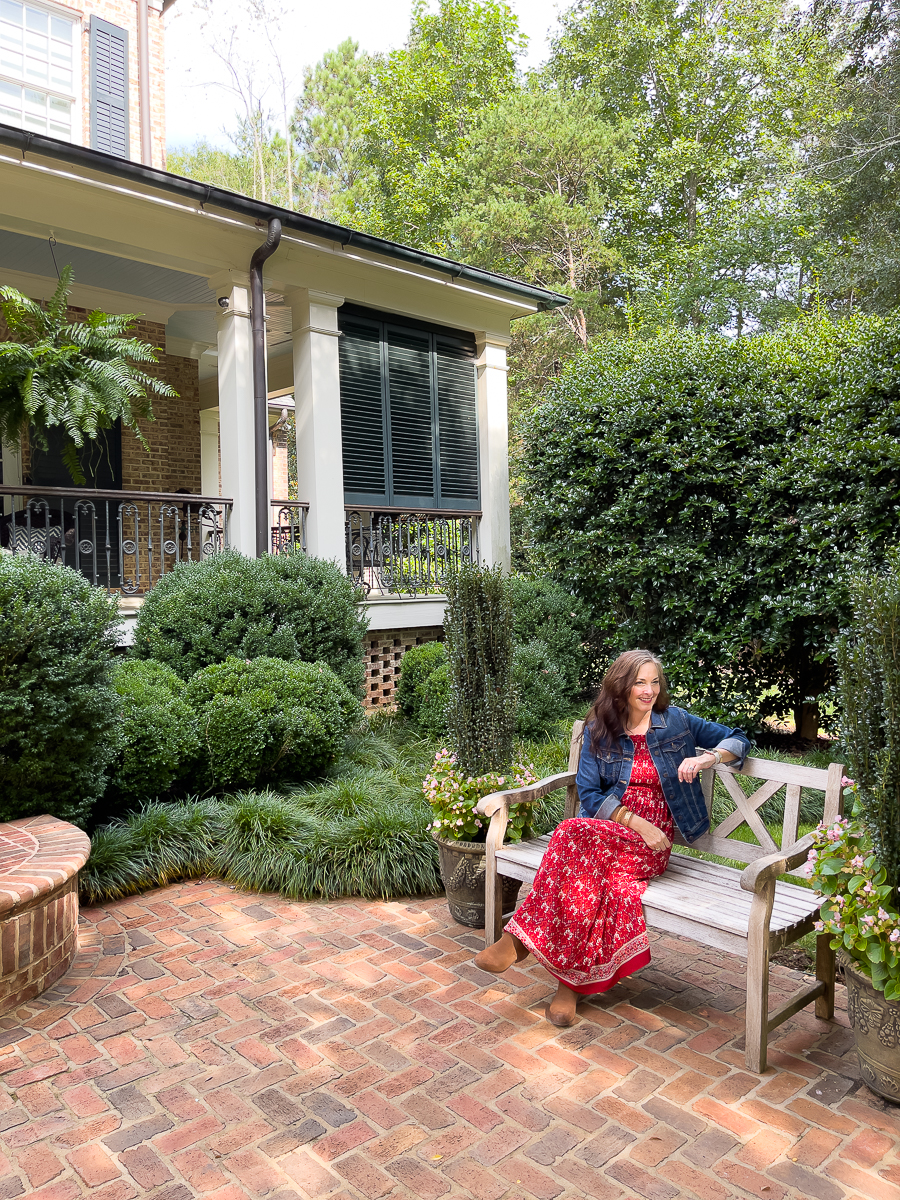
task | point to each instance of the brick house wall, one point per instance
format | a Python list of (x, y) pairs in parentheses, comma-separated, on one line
[(173, 437), (124, 14), (384, 650)]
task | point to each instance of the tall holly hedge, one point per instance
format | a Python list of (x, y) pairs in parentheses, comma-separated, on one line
[(709, 498)]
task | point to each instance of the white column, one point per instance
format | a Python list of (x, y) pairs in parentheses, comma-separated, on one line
[(317, 397), (236, 436), (493, 449), (209, 452), (12, 476)]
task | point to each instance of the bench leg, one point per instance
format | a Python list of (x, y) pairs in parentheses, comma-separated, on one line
[(493, 907), (825, 968), (757, 1022)]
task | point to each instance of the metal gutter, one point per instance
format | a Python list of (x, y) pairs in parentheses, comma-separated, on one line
[(144, 81), (203, 193), (260, 399)]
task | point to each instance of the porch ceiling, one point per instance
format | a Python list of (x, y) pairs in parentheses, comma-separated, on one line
[(31, 255), (194, 318)]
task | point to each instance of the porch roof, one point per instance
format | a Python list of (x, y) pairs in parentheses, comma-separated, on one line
[(204, 194)]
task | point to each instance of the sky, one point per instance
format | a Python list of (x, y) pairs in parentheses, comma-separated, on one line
[(198, 106)]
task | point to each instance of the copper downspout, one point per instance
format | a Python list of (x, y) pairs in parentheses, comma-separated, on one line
[(144, 82), (260, 396)]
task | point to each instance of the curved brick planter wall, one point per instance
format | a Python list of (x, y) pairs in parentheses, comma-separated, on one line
[(40, 858)]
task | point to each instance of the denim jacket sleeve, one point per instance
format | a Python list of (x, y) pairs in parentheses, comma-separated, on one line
[(598, 796), (709, 735)]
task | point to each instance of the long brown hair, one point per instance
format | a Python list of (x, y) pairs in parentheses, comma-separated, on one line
[(607, 716)]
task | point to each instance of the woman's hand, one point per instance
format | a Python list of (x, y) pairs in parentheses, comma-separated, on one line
[(655, 838), (689, 768)]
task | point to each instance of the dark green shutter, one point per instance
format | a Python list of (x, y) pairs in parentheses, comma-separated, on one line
[(362, 413), (412, 416), (109, 88), (409, 413), (457, 423)]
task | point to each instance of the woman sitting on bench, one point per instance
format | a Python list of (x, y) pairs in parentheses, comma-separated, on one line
[(638, 778)]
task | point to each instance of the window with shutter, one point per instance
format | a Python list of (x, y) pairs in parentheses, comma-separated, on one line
[(409, 414), (109, 88)]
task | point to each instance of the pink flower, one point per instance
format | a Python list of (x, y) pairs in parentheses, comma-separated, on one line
[(819, 926), (895, 936), (845, 782)]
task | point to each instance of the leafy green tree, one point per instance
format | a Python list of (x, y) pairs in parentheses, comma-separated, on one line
[(422, 102), (80, 375), (546, 190), (709, 498), (257, 166), (721, 98), (858, 158), (328, 128)]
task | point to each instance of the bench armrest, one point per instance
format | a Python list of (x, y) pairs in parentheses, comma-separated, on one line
[(488, 805), (762, 870)]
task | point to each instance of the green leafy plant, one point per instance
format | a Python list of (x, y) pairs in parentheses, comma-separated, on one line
[(860, 909), (58, 724), (158, 733), (544, 611), (542, 690), (415, 667), (280, 606), (453, 796), (869, 691), (80, 375), (708, 498), (481, 713), (264, 720)]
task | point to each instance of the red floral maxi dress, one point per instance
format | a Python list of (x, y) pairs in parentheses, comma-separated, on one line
[(583, 918)]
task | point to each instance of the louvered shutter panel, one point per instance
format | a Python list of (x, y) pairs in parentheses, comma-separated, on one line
[(457, 424), (412, 416), (362, 413), (109, 88)]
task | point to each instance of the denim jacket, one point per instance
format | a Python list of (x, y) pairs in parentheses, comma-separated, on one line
[(673, 736)]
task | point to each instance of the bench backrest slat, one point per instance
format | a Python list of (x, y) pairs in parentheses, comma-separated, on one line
[(775, 776)]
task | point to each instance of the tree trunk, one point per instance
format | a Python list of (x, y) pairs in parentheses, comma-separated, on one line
[(806, 720)]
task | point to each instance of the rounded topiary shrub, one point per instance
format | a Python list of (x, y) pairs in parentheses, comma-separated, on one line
[(544, 611), (263, 721), (57, 709), (541, 687), (434, 696), (159, 739), (281, 606), (417, 664)]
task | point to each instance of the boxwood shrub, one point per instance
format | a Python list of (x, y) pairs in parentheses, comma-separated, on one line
[(158, 734), (264, 721), (415, 668), (57, 708), (280, 606)]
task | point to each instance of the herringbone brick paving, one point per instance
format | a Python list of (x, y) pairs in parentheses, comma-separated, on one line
[(210, 1043)]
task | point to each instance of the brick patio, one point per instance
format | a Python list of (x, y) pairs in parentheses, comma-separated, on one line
[(212, 1043)]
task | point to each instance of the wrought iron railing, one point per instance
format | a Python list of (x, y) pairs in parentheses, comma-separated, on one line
[(289, 526), (397, 553), (122, 541)]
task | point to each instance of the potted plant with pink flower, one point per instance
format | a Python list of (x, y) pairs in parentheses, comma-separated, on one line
[(856, 860), (481, 716)]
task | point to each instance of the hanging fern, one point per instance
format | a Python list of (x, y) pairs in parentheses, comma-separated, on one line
[(82, 376)]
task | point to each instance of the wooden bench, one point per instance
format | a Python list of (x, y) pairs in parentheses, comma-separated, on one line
[(749, 912)]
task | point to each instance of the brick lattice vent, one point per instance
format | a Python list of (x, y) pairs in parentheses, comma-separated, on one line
[(384, 654), (40, 858), (214, 1043)]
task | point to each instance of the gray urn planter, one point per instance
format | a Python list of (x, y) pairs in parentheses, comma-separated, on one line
[(463, 873), (876, 1028)]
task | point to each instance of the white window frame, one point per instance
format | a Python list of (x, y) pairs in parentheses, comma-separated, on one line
[(75, 96)]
